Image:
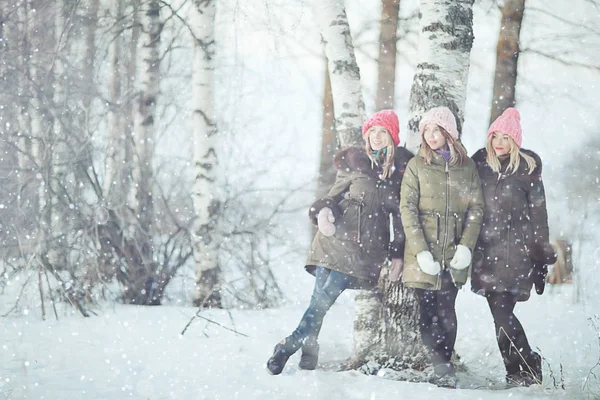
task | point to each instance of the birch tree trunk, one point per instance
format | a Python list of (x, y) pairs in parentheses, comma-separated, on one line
[(441, 79), (141, 277), (20, 38), (91, 26), (38, 122), (207, 235), (115, 158), (446, 38), (57, 138), (130, 107), (386, 71), (349, 107), (507, 57)]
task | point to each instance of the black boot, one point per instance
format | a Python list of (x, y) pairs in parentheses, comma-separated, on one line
[(532, 369), (513, 370), (529, 374), (282, 352), (310, 355), (444, 375)]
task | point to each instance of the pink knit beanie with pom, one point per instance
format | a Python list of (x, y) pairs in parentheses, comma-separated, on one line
[(508, 123), (386, 118), (441, 116)]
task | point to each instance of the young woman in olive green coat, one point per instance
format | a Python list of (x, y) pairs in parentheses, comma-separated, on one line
[(441, 207)]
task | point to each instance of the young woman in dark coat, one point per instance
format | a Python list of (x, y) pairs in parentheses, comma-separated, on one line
[(513, 250), (353, 237)]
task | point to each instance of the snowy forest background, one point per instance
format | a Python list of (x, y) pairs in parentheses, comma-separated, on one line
[(165, 153)]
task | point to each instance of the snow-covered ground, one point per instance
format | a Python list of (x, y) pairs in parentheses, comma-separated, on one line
[(130, 352)]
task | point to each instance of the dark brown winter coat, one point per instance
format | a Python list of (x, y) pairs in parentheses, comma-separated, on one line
[(362, 204), (441, 208), (514, 233)]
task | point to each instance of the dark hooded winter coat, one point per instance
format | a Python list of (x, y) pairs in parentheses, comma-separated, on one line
[(362, 204), (514, 235)]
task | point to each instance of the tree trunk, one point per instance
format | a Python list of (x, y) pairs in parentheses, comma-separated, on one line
[(115, 157), (440, 79), (142, 280), (507, 57), (329, 145), (129, 112), (56, 139), (20, 40), (349, 107), (91, 26), (386, 72), (444, 47), (207, 235)]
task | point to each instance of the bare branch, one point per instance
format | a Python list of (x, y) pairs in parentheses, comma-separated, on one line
[(560, 60)]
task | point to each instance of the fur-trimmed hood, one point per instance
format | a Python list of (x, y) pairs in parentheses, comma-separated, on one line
[(355, 159)]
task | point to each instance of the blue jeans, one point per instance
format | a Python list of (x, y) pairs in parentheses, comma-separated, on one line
[(328, 286)]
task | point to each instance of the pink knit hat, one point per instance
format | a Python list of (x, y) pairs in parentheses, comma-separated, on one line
[(508, 123), (386, 118), (441, 116)]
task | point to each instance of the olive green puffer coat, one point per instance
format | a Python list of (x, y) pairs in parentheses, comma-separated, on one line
[(441, 207)]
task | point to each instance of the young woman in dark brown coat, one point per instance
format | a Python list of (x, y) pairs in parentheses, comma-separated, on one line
[(353, 239), (513, 248)]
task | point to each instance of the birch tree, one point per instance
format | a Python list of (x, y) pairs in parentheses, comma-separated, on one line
[(349, 107), (507, 57), (207, 235), (143, 282), (446, 37), (115, 156), (445, 41)]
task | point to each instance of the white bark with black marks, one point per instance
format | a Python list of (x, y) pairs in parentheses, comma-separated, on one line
[(115, 157), (207, 235), (445, 41), (145, 110), (349, 111), (441, 79), (349, 108), (129, 109), (140, 274)]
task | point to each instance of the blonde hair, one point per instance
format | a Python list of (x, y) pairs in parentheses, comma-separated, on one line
[(515, 155), (389, 155), (458, 154)]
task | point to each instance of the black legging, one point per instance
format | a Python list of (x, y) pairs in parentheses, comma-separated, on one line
[(438, 320), (511, 337)]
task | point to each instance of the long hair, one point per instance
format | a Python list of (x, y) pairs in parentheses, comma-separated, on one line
[(388, 162), (458, 154), (515, 155)]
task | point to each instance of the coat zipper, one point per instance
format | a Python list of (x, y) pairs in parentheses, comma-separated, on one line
[(456, 238), (439, 217), (508, 240), (446, 216), (360, 206)]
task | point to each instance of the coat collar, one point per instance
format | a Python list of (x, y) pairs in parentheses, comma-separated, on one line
[(355, 159)]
